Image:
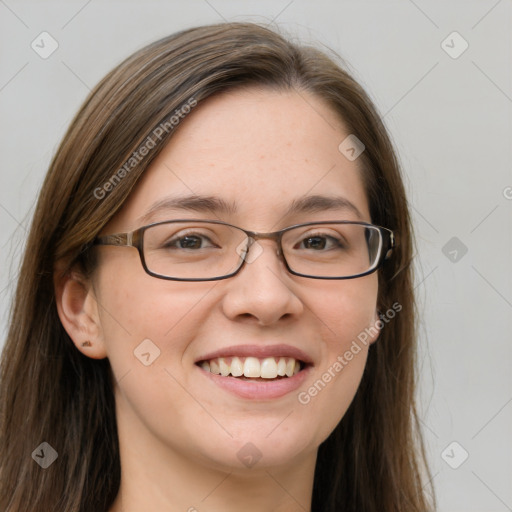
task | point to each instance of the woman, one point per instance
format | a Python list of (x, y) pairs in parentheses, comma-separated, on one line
[(215, 305)]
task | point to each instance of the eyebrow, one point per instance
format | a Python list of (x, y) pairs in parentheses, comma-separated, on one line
[(215, 205), (194, 203), (319, 203)]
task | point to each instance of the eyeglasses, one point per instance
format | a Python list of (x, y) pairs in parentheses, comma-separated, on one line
[(208, 250)]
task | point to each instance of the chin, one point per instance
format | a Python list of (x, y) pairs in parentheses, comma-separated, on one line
[(259, 447)]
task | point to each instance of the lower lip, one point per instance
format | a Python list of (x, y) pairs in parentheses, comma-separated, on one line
[(258, 390)]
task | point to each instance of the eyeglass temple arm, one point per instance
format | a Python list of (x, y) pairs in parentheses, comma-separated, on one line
[(117, 239)]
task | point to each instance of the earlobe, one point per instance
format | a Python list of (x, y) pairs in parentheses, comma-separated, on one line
[(78, 313)]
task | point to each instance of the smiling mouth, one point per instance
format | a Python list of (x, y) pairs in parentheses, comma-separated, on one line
[(253, 368)]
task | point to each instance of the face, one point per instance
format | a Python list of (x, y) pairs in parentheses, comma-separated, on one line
[(257, 151)]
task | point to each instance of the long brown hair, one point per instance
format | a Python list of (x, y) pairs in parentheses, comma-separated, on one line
[(49, 392)]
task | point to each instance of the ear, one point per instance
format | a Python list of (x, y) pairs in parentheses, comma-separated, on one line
[(78, 312), (376, 328)]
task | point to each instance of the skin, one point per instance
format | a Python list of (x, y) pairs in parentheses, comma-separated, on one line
[(179, 433)]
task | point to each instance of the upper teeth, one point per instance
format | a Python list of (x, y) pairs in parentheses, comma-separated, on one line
[(267, 368)]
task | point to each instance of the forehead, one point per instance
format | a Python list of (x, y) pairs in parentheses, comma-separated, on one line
[(259, 151)]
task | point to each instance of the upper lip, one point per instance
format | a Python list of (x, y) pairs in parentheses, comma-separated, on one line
[(259, 351)]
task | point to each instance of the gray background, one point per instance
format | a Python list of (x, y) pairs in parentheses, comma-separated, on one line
[(450, 119)]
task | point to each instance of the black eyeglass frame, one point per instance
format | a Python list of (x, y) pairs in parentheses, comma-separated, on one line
[(136, 239)]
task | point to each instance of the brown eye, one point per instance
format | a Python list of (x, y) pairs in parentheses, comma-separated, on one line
[(319, 243), (316, 242), (189, 242)]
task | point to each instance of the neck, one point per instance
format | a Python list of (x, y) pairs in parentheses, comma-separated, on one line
[(157, 477), (216, 492)]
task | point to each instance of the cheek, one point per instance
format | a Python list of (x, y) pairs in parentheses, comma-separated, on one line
[(344, 318), (147, 325), (330, 394), (140, 314), (345, 311)]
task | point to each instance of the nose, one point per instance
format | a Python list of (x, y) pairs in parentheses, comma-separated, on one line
[(262, 291)]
